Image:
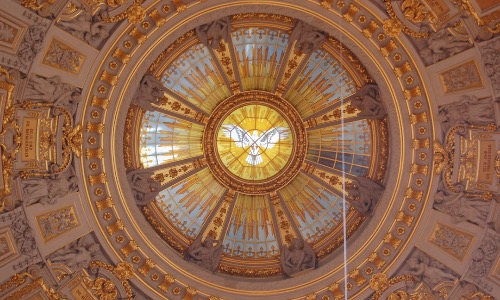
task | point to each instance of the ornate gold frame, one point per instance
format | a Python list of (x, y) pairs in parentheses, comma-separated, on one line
[(287, 173)]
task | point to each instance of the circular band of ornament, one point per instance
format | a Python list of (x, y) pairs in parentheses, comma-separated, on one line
[(255, 142)]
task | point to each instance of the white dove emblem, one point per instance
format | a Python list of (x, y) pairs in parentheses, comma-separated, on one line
[(243, 139)]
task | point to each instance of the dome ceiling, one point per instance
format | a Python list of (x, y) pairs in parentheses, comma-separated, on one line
[(254, 143), (185, 149)]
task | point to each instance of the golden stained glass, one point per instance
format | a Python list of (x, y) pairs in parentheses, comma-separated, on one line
[(254, 142)]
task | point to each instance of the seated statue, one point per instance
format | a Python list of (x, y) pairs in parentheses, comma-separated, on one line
[(367, 100), (299, 256), (206, 254), (150, 92), (145, 188), (363, 195)]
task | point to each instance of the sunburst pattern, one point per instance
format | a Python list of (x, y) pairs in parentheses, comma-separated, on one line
[(256, 227)]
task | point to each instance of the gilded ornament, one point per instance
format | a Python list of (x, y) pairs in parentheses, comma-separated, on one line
[(414, 10), (136, 13), (123, 272), (392, 27), (103, 289), (227, 177), (370, 29), (380, 283)]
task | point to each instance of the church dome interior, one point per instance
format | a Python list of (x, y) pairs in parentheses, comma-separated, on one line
[(215, 149)]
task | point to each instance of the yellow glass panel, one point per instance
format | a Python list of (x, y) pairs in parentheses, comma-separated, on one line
[(254, 142)]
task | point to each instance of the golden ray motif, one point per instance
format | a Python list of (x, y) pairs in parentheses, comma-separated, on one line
[(255, 142), (251, 231), (259, 52)]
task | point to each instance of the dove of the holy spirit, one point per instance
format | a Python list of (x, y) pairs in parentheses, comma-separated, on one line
[(243, 139)]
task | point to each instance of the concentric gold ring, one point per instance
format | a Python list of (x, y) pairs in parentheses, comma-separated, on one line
[(278, 139)]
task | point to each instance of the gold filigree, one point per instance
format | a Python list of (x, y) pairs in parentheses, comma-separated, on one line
[(71, 139), (414, 10), (28, 288), (135, 14), (379, 283), (393, 27), (123, 272), (103, 288), (42, 6), (485, 21), (249, 272)]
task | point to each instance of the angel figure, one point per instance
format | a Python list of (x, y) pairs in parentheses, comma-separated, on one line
[(150, 91), (206, 254), (212, 34), (145, 188), (363, 195), (299, 256), (367, 101), (421, 270)]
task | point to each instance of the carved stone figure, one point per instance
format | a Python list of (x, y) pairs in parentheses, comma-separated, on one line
[(467, 110), (23, 234), (145, 188), (63, 57), (206, 254), (363, 195), (440, 45), (48, 190), (77, 254), (91, 29), (462, 208), (422, 268), (490, 53), (31, 45), (52, 90), (298, 257), (309, 39), (213, 33), (484, 256), (367, 101), (149, 92)]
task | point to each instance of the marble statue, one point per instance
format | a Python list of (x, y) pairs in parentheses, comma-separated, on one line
[(467, 110), (77, 254), (440, 45), (90, 29), (206, 254), (367, 100), (212, 34), (150, 92), (423, 268), (462, 208), (309, 38), (297, 257), (52, 90), (48, 190), (363, 195), (144, 187)]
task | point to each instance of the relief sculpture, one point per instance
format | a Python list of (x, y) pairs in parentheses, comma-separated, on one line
[(467, 110)]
